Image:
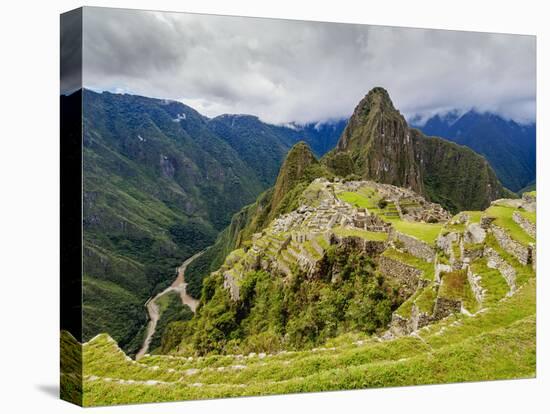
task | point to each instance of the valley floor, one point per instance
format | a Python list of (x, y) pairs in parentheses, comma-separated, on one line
[(153, 310)]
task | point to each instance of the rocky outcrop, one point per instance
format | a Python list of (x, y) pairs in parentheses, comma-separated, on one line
[(474, 234), (378, 144), (445, 242), (230, 284)]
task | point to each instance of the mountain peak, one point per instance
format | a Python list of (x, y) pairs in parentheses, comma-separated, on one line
[(376, 101), (297, 161), (377, 144)]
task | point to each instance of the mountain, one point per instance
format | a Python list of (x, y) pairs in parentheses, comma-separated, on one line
[(364, 309), (299, 169), (378, 144), (263, 146), (509, 147), (310, 273), (160, 182)]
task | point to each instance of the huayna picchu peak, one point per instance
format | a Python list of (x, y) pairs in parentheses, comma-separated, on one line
[(378, 144)]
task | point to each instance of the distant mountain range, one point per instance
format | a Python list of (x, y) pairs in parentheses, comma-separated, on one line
[(160, 182), (509, 147)]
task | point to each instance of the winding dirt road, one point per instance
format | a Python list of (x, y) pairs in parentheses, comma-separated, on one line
[(179, 285)]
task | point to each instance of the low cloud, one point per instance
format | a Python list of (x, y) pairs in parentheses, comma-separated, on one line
[(294, 71)]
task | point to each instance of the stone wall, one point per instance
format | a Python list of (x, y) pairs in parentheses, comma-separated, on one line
[(521, 252), (445, 242), (418, 319), (527, 226), (369, 247), (415, 247), (445, 307), (494, 261), (404, 274), (474, 280), (441, 268)]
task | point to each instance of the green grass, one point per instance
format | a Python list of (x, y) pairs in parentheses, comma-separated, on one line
[(426, 232), (409, 259), (497, 344), (364, 234), (311, 250), (321, 241), (492, 282), (455, 285), (503, 219), (529, 215), (360, 199), (426, 299)]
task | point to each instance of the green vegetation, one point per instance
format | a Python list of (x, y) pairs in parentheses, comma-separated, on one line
[(364, 234), (426, 299), (171, 310), (503, 218), (496, 344), (71, 368), (426, 267), (455, 285), (426, 232), (271, 315)]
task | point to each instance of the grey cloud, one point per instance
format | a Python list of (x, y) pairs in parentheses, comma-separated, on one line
[(298, 71)]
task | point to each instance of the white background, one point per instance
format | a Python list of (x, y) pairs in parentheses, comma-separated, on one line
[(29, 216)]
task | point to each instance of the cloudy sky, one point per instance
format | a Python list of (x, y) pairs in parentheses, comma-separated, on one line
[(294, 71)]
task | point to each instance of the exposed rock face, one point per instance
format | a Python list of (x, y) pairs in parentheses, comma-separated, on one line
[(379, 137), (445, 242), (474, 280), (378, 144)]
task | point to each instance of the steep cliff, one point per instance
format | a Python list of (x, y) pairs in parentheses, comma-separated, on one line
[(378, 144)]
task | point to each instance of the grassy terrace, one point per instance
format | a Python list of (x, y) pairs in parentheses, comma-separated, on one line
[(409, 259), (455, 285), (503, 219), (364, 234), (492, 282), (321, 241), (529, 215), (363, 198), (496, 344), (426, 299), (426, 232), (523, 273)]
